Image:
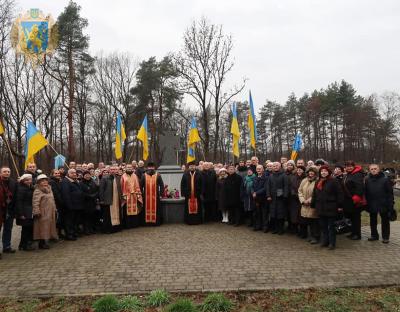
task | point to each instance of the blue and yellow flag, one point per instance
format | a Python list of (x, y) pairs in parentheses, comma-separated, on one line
[(251, 122), (235, 132), (143, 136), (35, 141), (193, 138), (298, 143), (120, 137)]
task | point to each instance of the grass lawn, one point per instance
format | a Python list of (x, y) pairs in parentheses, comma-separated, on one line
[(365, 215), (327, 300)]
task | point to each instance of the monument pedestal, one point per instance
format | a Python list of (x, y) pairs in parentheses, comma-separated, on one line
[(172, 208)]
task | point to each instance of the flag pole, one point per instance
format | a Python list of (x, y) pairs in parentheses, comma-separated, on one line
[(11, 155), (54, 150)]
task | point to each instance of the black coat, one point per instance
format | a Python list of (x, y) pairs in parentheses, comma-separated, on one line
[(72, 195), (186, 187), (259, 186), (11, 184), (56, 189), (232, 187), (277, 188), (106, 189), (220, 194), (353, 187), (91, 194), (328, 199), (209, 180), (23, 204), (379, 193)]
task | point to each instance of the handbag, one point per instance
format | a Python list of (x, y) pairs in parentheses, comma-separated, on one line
[(342, 226), (392, 214)]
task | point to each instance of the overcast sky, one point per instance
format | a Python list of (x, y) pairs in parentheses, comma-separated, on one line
[(281, 46)]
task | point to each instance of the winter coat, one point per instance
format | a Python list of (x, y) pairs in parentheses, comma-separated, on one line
[(353, 187), (186, 187), (247, 192), (294, 205), (306, 190), (55, 185), (327, 197), (90, 192), (7, 197), (44, 212), (233, 183), (23, 204), (220, 194), (277, 188), (379, 193), (72, 194), (242, 171), (209, 179)]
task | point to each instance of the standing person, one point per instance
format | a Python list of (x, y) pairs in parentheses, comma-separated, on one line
[(294, 203), (152, 187), (7, 205), (232, 200), (133, 201), (44, 213), (290, 171), (220, 194), (55, 184), (140, 170), (23, 210), (327, 200), (91, 194), (261, 214), (242, 169), (379, 195), (277, 192), (73, 199), (32, 170), (254, 163), (191, 188), (247, 196), (353, 186), (209, 180), (110, 196), (308, 214)]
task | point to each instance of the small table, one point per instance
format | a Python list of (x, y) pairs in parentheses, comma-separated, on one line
[(173, 210)]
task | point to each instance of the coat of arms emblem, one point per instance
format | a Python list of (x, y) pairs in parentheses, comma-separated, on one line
[(34, 35)]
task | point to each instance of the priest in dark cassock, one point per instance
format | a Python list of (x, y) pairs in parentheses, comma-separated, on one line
[(191, 186), (132, 195), (152, 187), (110, 195)]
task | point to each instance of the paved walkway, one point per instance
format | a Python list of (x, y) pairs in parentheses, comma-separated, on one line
[(196, 258)]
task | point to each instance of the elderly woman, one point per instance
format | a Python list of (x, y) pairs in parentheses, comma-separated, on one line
[(220, 194), (44, 213), (23, 210)]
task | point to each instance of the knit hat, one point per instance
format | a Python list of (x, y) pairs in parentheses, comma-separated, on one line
[(25, 176), (41, 177), (291, 162), (320, 162)]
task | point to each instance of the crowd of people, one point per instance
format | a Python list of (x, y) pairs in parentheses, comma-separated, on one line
[(299, 198)]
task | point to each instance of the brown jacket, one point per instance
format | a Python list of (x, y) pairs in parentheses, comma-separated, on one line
[(306, 189), (44, 212)]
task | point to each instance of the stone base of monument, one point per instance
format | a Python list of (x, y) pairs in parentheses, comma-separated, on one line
[(173, 209)]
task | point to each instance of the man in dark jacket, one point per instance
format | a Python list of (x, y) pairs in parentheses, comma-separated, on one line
[(55, 184), (191, 188), (277, 192), (379, 195), (73, 198), (353, 187), (233, 203), (7, 201), (208, 187), (260, 215)]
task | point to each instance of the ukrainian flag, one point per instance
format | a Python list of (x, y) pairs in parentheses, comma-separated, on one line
[(298, 143), (35, 141), (251, 122), (192, 140), (143, 136), (235, 131), (120, 137)]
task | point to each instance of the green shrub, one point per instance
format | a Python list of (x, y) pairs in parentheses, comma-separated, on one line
[(107, 303), (216, 303), (158, 298), (181, 305), (131, 303)]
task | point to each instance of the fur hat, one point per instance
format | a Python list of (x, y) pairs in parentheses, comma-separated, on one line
[(25, 176), (313, 169), (325, 167)]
